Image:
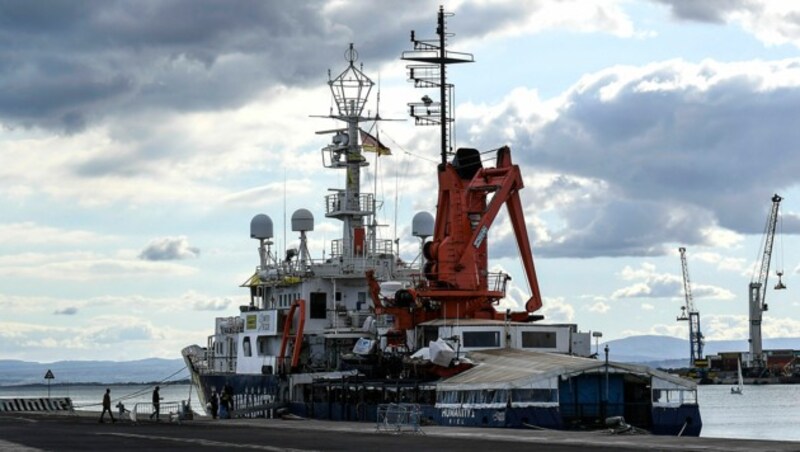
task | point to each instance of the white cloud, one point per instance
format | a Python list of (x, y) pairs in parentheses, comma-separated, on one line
[(169, 248), (655, 285), (582, 16), (723, 263), (201, 302), (638, 164), (725, 327), (772, 22), (599, 308), (29, 232), (648, 283), (557, 310), (85, 266), (114, 337)]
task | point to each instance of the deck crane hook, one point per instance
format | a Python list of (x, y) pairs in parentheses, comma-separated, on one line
[(780, 285), (683, 315)]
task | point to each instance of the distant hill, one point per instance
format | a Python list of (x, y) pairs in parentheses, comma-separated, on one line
[(669, 351), (15, 372)]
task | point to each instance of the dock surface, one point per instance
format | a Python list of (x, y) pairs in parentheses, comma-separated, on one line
[(81, 431)]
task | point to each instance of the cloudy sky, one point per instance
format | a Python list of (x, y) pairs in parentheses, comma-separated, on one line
[(138, 139)]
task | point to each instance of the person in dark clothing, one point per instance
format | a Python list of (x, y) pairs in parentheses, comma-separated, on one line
[(107, 407), (214, 403), (228, 390), (156, 404)]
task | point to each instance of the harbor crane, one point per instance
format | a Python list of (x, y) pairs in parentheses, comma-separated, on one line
[(758, 286), (690, 314)]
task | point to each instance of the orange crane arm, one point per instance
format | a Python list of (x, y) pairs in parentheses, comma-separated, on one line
[(506, 179)]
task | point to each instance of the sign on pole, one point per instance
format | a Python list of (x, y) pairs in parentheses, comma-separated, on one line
[(49, 376)]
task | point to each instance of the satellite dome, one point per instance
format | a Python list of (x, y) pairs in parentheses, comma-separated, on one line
[(302, 220), (261, 227), (422, 225)]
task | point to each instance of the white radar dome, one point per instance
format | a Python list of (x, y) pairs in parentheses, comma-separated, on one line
[(261, 227), (422, 225), (302, 220)]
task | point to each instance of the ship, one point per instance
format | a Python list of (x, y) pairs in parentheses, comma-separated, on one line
[(362, 331)]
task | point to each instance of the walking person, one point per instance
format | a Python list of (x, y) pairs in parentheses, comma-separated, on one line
[(107, 407), (213, 404), (224, 405), (156, 404), (228, 389)]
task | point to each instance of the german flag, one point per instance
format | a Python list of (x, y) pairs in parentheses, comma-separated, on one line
[(371, 144)]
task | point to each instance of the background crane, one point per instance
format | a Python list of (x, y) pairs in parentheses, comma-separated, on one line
[(690, 314), (758, 286)]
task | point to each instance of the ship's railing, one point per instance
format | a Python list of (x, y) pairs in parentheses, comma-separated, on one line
[(399, 417), (361, 204), (382, 247), (255, 405), (174, 411), (381, 259), (357, 266), (495, 282)]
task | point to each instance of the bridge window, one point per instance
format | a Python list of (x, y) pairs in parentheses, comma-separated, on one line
[(538, 339), (481, 339)]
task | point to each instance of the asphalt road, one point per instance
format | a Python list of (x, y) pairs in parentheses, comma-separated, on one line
[(24, 432)]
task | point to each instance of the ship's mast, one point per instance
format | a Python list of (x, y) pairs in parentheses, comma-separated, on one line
[(350, 91), (433, 74)]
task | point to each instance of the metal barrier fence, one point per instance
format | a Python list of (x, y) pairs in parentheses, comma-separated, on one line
[(171, 411), (399, 417)]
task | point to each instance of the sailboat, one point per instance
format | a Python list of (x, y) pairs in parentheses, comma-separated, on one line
[(740, 386)]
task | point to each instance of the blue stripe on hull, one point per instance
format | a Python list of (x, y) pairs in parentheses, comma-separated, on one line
[(666, 421), (670, 421), (546, 417)]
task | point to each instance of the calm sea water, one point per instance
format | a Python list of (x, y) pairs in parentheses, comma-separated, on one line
[(90, 397), (761, 412), (769, 412)]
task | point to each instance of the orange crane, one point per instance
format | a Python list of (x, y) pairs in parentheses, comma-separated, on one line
[(456, 282)]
